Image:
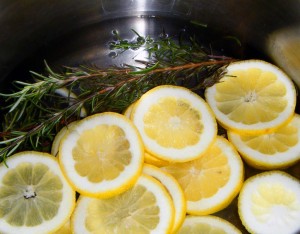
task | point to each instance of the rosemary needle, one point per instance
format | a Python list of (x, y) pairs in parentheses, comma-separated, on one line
[(36, 112)]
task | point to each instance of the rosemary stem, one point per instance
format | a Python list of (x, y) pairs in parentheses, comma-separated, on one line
[(192, 65)]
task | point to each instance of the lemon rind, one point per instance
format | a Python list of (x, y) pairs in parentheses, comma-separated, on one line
[(174, 190)]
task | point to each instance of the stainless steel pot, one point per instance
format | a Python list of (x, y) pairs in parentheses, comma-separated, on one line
[(71, 32), (30, 28)]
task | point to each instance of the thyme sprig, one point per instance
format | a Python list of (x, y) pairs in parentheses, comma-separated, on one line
[(39, 109)]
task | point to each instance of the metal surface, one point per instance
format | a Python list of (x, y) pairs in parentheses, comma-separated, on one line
[(72, 32), (29, 25)]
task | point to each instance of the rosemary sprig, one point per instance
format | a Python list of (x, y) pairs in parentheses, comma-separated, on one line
[(37, 111)]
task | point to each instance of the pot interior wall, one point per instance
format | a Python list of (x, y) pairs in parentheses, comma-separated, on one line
[(60, 30)]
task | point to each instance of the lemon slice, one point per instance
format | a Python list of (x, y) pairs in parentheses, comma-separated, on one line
[(128, 110), (173, 189), (35, 197), (144, 208), (175, 123), (65, 229), (270, 151), (253, 97), (207, 224), (64, 92), (150, 159), (102, 155), (211, 182), (269, 202), (283, 46), (59, 136)]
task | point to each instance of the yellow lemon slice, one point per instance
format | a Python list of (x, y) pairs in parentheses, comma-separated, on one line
[(150, 159), (270, 203), (253, 97), (173, 189), (128, 110), (35, 197), (275, 150), (102, 155), (211, 182), (71, 97), (283, 46), (59, 136), (144, 208), (65, 229), (207, 224), (175, 123)]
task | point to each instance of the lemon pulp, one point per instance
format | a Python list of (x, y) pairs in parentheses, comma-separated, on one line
[(270, 144), (196, 176), (212, 181), (30, 195), (251, 96), (144, 208), (273, 199), (172, 122), (278, 149), (135, 206), (207, 224), (269, 202), (175, 124), (102, 155), (100, 148), (201, 228)]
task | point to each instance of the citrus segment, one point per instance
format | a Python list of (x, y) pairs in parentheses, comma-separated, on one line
[(211, 182), (254, 97), (207, 224), (144, 208), (270, 203), (175, 123), (173, 189), (270, 151), (35, 197), (102, 155)]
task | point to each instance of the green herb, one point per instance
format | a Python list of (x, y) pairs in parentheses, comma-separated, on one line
[(37, 110), (195, 22)]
